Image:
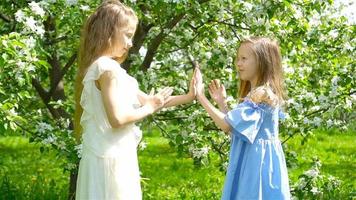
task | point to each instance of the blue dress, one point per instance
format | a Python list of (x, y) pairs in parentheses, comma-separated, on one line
[(257, 168)]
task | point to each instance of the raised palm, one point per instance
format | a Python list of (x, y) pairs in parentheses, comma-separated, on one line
[(217, 91), (199, 86), (157, 101)]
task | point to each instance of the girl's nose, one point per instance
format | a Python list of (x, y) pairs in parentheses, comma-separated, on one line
[(129, 44)]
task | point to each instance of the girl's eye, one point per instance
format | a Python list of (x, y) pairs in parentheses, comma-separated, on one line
[(129, 35), (243, 58)]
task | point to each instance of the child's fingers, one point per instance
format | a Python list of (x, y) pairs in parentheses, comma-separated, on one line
[(211, 92), (213, 84), (223, 87), (152, 92), (164, 91), (217, 82), (167, 92)]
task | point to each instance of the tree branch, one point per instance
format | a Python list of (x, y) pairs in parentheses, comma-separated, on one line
[(153, 46), (5, 18), (64, 71), (45, 97), (56, 40)]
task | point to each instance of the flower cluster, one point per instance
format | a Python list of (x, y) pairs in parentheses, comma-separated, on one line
[(312, 184)]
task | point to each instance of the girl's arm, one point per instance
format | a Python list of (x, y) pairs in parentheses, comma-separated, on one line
[(217, 116), (178, 100), (175, 100), (117, 112), (170, 101)]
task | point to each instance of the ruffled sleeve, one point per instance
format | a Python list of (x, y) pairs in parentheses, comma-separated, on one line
[(102, 65), (245, 121), (281, 115), (90, 98)]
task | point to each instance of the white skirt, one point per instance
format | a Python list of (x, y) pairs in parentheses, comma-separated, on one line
[(108, 178)]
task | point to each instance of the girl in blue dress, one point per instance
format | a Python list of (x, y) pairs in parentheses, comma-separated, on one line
[(257, 167)]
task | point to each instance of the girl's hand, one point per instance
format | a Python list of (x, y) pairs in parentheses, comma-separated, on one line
[(217, 91), (156, 101), (192, 89), (199, 83)]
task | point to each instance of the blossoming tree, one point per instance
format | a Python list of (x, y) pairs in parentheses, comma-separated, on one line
[(39, 42)]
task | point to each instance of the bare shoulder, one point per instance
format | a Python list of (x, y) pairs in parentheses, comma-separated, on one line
[(264, 94)]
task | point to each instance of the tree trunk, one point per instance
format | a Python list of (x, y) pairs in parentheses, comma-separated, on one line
[(73, 183)]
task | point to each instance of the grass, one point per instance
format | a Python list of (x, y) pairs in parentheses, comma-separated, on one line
[(25, 173), (173, 177), (336, 151)]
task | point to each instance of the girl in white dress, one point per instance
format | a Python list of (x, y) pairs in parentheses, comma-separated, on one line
[(108, 103)]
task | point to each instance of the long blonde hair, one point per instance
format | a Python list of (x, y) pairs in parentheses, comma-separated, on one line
[(97, 37), (270, 69)]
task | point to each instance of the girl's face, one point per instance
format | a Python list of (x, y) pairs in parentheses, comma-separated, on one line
[(246, 63), (123, 41)]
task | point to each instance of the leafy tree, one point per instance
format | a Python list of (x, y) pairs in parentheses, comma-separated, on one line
[(39, 42)]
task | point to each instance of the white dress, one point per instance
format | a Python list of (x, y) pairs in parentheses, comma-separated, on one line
[(109, 167)]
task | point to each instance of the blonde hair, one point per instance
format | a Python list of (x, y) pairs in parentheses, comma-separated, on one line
[(270, 71), (97, 37)]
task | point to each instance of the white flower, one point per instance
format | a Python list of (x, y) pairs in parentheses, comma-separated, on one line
[(348, 103), (208, 55), (322, 98), (334, 34), (221, 40), (84, 7), (42, 127), (31, 23), (315, 20), (288, 69), (298, 14), (143, 145), (348, 46), (36, 8), (290, 101), (248, 6), (30, 42), (329, 123), (50, 139), (61, 145), (198, 153), (21, 65), (204, 150), (312, 173), (314, 190), (317, 121), (260, 22), (13, 112), (301, 184), (228, 70), (142, 51), (71, 2), (19, 16), (40, 31), (334, 92), (334, 80), (79, 149)]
